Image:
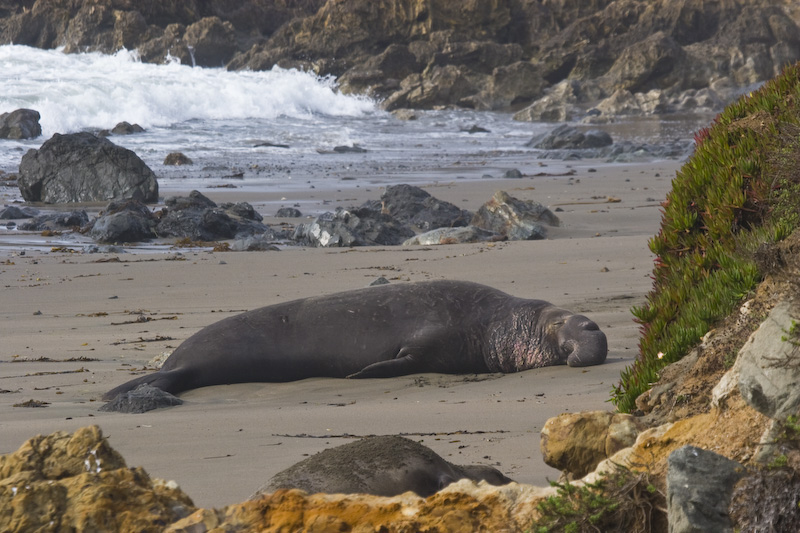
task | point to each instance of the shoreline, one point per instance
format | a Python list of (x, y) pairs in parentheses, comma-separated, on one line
[(226, 441)]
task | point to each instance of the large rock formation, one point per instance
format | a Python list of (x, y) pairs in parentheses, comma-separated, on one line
[(428, 53)]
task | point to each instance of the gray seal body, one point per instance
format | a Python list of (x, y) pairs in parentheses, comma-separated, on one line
[(451, 327)]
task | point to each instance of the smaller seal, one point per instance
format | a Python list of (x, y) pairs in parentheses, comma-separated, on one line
[(383, 466)]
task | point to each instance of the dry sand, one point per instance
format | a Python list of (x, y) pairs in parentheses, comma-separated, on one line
[(226, 441)]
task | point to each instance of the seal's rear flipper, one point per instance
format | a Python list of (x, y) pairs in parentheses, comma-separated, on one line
[(404, 364), (163, 380)]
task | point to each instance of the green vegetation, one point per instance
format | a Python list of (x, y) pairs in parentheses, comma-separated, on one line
[(622, 500), (740, 190)]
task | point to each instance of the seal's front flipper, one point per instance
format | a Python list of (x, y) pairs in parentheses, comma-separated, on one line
[(404, 363)]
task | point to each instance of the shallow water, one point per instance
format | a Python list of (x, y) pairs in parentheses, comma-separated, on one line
[(225, 122)]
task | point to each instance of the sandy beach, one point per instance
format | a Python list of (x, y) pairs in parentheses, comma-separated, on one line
[(94, 319)]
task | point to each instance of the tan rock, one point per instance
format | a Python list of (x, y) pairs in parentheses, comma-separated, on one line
[(78, 482), (578, 442)]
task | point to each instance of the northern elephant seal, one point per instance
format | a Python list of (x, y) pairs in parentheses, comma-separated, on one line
[(382, 465), (450, 327)]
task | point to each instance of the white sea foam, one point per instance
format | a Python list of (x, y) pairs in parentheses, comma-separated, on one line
[(79, 91)]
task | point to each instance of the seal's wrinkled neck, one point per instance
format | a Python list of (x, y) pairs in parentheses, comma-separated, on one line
[(524, 339)]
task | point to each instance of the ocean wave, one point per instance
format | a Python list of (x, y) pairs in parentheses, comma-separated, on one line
[(73, 92)]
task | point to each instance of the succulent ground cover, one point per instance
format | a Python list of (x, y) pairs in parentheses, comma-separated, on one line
[(738, 194)]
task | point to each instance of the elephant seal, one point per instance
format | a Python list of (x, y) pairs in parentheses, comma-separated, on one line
[(449, 327), (383, 466)]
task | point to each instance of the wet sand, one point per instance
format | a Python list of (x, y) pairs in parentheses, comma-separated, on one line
[(97, 318)]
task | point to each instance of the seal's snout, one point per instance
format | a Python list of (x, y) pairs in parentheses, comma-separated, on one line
[(586, 344)]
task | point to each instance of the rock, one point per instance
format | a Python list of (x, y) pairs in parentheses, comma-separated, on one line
[(78, 482), (169, 45), (379, 281), (405, 114), (355, 149), (576, 443), (20, 124), (255, 243), (73, 220), (354, 227), (374, 465), (126, 128), (14, 212), (81, 167), (767, 370), (140, 400), (452, 236), (766, 500), (514, 219), (559, 104), (570, 138), (412, 205), (512, 174), (288, 212), (211, 42), (699, 488), (177, 159), (198, 218), (126, 220)]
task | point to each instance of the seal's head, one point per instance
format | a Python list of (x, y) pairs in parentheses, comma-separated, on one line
[(580, 341)]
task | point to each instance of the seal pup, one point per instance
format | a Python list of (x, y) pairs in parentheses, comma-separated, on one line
[(383, 466), (448, 327)]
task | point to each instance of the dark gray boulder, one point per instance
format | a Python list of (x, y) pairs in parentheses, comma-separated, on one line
[(288, 212), (81, 167), (14, 212), (699, 489), (570, 138), (354, 227), (513, 218), (198, 218), (57, 221), (412, 205), (126, 220), (20, 124)]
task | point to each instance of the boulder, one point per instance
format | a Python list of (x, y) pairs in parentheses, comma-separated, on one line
[(513, 218), (73, 220), (570, 138), (126, 220), (80, 167), (198, 218), (353, 227), (78, 482), (371, 466), (412, 205), (20, 124), (700, 484), (126, 128), (452, 236), (288, 212), (14, 212), (576, 443), (177, 159)]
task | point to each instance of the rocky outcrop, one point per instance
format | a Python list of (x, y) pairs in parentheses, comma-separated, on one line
[(576, 443), (81, 167), (554, 59), (20, 124), (416, 207), (78, 482)]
